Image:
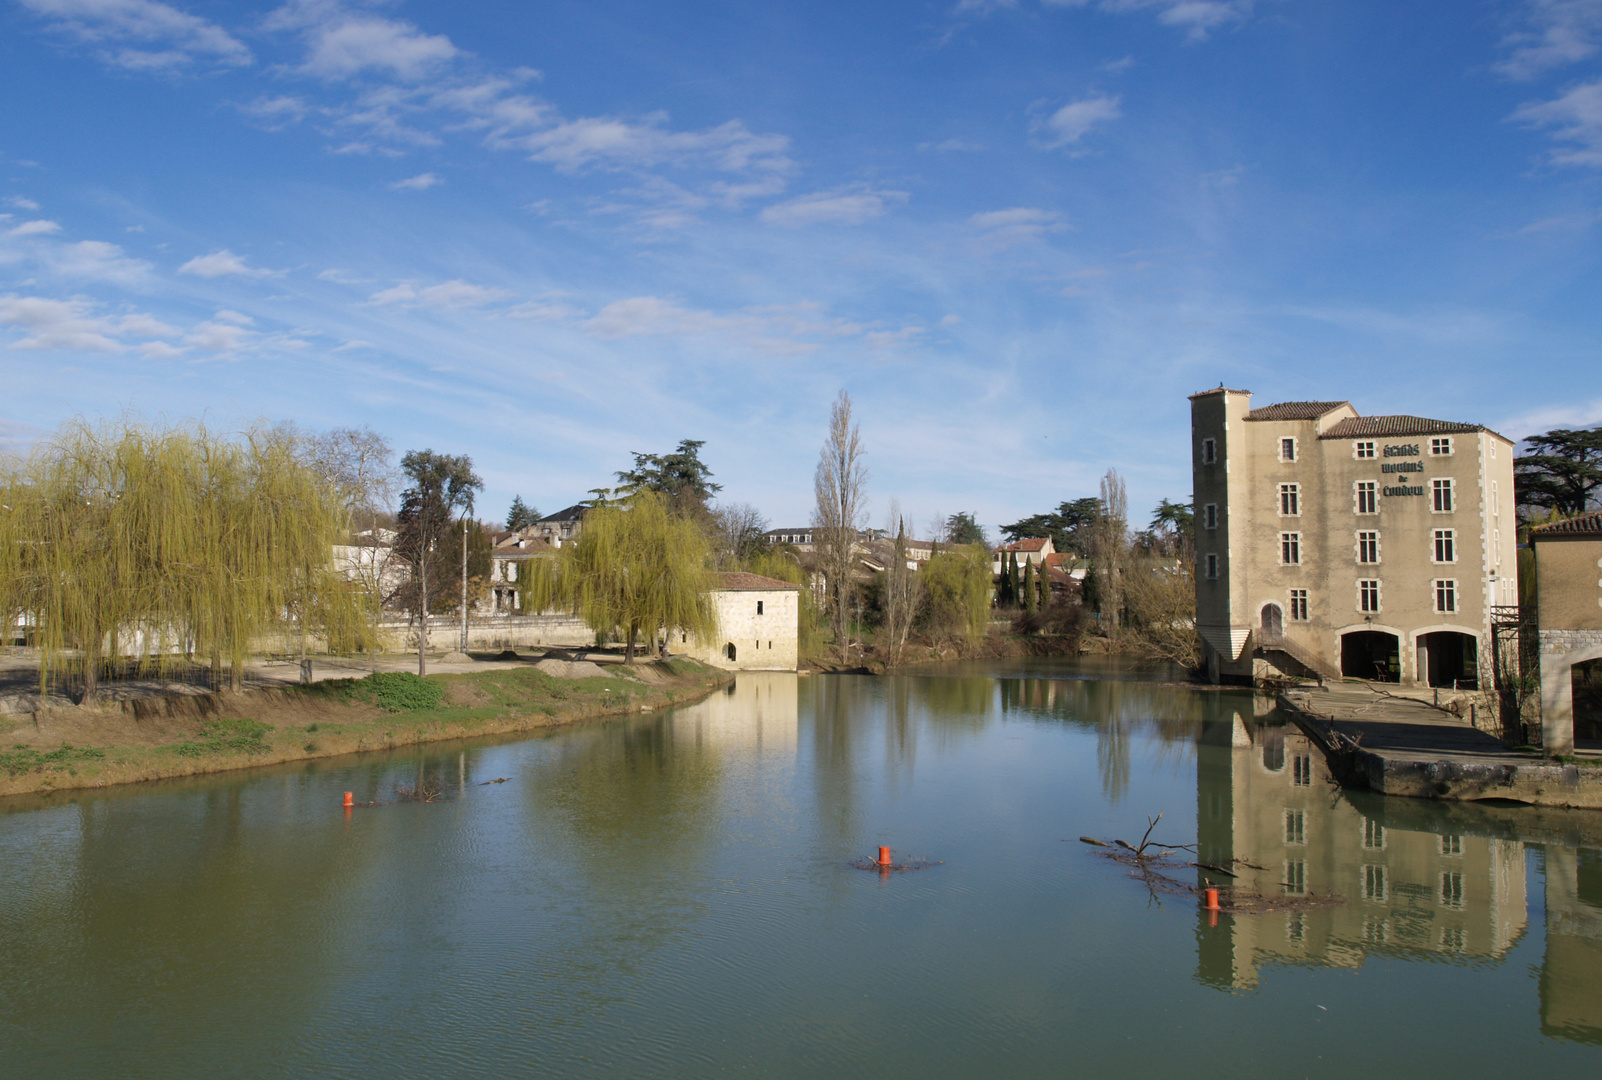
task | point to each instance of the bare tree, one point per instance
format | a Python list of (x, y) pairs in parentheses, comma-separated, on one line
[(840, 513), (1111, 542), (739, 532), (903, 589)]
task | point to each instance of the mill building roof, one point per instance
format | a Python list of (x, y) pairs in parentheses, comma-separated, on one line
[(1361, 427), (739, 581), (1296, 410), (1030, 543)]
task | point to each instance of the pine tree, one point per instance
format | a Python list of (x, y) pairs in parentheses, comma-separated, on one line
[(521, 515)]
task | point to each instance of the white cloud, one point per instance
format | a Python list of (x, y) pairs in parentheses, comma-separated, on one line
[(612, 143), (359, 43), (35, 228), (1196, 17), (341, 277), (1559, 32), (74, 324), (420, 182), (776, 330), (277, 112), (23, 204), (1562, 223), (1578, 415), (174, 37), (97, 260), (1020, 224), (850, 205), (217, 336), (1576, 117), (542, 311), (1074, 121), (222, 263), (233, 317), (448, 295), (952, 146)]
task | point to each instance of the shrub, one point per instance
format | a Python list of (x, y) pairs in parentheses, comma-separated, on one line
[(228, 736), (21, 759), (401, 691)]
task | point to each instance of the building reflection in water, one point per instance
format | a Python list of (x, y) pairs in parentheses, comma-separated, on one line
[(1263, 795), (755, 714), (1571, 972)]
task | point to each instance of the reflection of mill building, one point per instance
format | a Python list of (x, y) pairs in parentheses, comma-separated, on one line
[(1262, 796), (1333, 543)]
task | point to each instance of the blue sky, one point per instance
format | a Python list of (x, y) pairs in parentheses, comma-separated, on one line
[(1018, 233)]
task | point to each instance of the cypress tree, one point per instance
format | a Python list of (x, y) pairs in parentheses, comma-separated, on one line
[(1016, 582), (1029, 587)]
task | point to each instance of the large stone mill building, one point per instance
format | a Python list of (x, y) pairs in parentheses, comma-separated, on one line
[(1335, 544)]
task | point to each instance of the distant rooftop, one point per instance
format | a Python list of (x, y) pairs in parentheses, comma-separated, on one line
[(572, 513), (1582, 525)]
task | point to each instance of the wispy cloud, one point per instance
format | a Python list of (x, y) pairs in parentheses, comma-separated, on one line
[(1574, 415), (849, 205), (222, 263), (1073, 121), (1573, 117), (952, 146), (775, 330), (449, 295), (420, 182), (1557, 33), (35, 228), (142, 35), (22, 204), (341, 43), (1021, 224), (75, 324), (615, 143), (1198, 18)]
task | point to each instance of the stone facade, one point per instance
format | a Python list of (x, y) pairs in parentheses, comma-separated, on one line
[(1568, 591), (759, 626), (1335, 544)]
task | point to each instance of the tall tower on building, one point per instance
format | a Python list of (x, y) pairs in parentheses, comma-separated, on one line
[(1330, 544)]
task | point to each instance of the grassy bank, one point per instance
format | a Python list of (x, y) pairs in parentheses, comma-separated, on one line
[(158, 738)]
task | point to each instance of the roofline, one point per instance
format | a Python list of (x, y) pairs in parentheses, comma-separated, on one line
[(1218, 390)]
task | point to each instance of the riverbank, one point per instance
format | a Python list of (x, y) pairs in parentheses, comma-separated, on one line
[(872, 660), (1403, 746), (64, 747)]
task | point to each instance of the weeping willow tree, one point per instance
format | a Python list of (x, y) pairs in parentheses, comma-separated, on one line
[(635, 570), (126, 545)]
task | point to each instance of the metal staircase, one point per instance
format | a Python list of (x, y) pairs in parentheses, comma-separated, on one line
[(1270, 641)]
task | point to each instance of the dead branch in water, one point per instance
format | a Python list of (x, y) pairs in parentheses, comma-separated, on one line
[(428, 791)]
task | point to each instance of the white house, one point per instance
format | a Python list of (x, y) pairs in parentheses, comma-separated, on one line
[(759, 626)]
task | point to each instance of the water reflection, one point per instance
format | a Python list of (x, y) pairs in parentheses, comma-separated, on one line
[(1444, 882)]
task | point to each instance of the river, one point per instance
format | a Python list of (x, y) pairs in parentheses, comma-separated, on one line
[(673, 895)]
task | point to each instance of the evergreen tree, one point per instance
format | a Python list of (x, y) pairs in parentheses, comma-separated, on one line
[(1015, 582), (521, 515), (1029, 587)]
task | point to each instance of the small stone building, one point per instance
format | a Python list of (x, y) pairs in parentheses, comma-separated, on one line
[(759, 626), (1568, 584)]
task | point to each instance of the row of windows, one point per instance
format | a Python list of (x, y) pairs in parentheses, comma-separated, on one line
[(1443, 547), (1365, 500), (1369, 594), (1375, 885), (1362, 449)]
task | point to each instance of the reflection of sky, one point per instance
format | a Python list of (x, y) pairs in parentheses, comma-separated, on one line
[(671, 895)]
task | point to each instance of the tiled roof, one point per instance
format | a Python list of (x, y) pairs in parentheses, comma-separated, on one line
[(1218, 390), (740, 580), (1360, 427), (531, 546), (1029, 543), (1295, 410), (1582, 525), (572, 513)]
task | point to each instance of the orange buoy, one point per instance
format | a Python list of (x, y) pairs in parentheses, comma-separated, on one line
[(1211, 903), (350, 799), (884, 856)]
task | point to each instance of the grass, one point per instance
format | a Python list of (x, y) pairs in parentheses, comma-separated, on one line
[(351, 716), (228, 736), (21, 759)]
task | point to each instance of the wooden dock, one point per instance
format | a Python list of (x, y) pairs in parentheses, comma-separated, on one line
[(1403, 746)]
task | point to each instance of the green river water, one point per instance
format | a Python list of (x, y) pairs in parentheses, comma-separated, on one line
[(673, 895)]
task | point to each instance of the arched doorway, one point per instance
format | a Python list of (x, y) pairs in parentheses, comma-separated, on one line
[(1586, 681), (1449, 660), (1371, 654), (1273, 623), (728, 650)]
